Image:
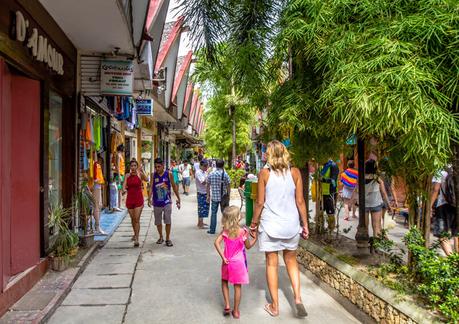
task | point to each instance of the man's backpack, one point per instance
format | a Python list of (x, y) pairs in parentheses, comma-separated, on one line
[(448, 189)]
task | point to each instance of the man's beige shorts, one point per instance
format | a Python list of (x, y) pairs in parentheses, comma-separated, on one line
[(162, 214)]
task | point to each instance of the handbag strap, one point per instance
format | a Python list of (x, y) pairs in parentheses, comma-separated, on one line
[(221, 183)]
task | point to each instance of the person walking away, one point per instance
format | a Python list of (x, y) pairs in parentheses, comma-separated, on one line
[(99, 181), (374, 203), (329, 178), (234, 259), (197, 164), (185, 170), (175, 172), (134, 201), (279, 207), (201, 188), (218, 189), (161, 184), (444, 221), (349, 179)]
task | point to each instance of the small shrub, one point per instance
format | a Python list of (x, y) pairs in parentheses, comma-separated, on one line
[(235, 176)]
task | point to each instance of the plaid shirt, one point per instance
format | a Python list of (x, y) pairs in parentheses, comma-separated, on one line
[(215, 181)]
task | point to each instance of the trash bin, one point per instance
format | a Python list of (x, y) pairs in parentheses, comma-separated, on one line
[(250, 196)]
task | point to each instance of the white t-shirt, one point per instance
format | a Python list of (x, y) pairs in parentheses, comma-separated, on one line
[(201, 181), (440, 178), (185, 170), (197, 166)]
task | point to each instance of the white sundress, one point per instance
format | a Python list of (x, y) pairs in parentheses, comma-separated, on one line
[(280, 220)]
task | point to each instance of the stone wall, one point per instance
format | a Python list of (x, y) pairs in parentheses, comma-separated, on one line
[(378, 301)]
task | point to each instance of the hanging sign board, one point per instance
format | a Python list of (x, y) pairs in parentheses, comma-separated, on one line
[(116, 77), (144, 107)]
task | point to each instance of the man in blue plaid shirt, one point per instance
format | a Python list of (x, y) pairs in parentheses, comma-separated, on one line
[(214, 185)]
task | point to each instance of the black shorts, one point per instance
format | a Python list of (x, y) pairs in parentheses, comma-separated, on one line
[(329, 203), (444, 222)]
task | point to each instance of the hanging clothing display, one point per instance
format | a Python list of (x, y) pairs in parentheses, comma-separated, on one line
[(97, 132)]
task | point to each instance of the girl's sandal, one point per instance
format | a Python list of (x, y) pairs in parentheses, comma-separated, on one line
[(236, 315), (227, 312), (270, 311), (301, 310)]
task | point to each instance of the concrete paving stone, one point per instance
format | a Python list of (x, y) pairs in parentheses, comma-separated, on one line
[(97, 297), (119, 244), (118, 252), (110, 314), (110, 259), (34, 300), (114, 268), (15, 317), (103, 281)]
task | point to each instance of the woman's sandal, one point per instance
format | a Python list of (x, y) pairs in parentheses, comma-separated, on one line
[(300, 310), (160, 241), (136, 244), (270, 311), (169, 243), (227, 312), (346, 219), (236, 315)]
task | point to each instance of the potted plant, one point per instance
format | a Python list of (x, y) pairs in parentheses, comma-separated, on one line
[(65, 241), (83, 202)]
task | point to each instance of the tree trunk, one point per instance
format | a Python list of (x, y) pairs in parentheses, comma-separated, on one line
[(456, 178), (427, 211), (319, 219), (361, 236), (233, 162), (305, 178)]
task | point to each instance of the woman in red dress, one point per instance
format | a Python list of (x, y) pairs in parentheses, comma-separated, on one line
[(134, 201)]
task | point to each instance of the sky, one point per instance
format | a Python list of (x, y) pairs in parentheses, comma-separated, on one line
[(172, 15)]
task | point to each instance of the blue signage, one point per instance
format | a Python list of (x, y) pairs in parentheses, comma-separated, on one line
[(144, 107)]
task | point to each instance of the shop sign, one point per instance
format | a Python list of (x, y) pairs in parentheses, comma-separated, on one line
[(144, 107), (42, 50), (116, 77)]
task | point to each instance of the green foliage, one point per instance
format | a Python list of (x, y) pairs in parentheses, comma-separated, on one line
[(438, 277), (225, 96), (59, 218), (381, 69), (432, 277), (82, 203), (235, 176)]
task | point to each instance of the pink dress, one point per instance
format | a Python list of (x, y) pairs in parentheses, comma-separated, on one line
[(235, 271)]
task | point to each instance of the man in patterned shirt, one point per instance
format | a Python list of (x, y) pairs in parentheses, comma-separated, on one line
[(216, 180)]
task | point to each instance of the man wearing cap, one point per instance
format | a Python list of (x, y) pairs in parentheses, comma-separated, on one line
[(201, 188), (161, 183)]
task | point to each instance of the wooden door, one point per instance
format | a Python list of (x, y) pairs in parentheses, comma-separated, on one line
[(25, 173), (5, 168)]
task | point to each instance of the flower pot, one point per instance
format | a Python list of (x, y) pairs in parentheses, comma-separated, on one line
[(87, 240), (59, 263)]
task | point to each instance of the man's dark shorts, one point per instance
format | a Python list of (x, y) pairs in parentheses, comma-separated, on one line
[(444, 222), (329, 202)]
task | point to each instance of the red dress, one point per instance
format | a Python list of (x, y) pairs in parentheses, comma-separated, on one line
[(134, 192)]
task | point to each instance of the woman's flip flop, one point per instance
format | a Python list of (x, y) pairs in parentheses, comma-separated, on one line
[(270, 311), (301, 311), (160, 241), (227, 312), (236, 315)]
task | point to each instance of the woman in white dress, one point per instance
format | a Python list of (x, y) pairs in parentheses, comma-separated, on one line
[(276, 221)]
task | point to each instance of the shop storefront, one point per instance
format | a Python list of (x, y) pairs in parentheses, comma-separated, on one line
[(37, 139)]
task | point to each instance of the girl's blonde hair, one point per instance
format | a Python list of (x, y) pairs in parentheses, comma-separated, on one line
[(277, 156), (230, 220)]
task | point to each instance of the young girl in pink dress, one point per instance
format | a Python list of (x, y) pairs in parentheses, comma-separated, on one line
[(234, 265)]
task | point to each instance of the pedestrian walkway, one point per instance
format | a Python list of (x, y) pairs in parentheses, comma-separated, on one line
[(179, 284)]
